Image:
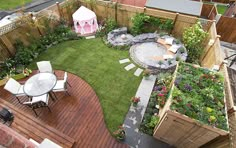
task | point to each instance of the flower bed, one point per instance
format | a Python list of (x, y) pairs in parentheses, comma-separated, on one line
[(195, 109), (157, 100), (199, 94)]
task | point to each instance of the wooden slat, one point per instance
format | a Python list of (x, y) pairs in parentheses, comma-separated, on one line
[(35, 129), (78, 116)]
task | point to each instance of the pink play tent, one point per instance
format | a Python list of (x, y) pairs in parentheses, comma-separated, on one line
[(85, 21)]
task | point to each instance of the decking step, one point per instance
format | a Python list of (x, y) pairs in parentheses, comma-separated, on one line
[(130, 66), (35, 129)]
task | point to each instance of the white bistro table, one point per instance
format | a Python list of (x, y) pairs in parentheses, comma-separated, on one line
[(40, 84)]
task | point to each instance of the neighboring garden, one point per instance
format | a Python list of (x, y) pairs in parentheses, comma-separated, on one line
[(10, 4)]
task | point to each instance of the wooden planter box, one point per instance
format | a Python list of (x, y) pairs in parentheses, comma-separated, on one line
[(182, 131)]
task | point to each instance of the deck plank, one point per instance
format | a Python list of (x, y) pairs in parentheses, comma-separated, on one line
[(79, 116)]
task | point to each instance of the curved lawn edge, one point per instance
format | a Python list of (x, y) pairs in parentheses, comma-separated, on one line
[(98, 65)]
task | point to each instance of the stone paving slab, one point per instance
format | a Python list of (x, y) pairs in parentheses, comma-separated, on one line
[(130, 66), (144, 92), (138, 72), (90, 37), (124, 61)]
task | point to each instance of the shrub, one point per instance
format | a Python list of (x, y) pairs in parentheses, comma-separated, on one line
[(138, 22), (153, 122), (143, 23), (25, 55), (193, 38), (107, 26)]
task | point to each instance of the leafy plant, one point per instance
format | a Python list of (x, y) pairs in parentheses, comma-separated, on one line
[(181, 50), (160, 62), (138, 22), (135, 100), (150, 118), (108, 25), (177, 58), (143, 23), (119, 134), (193, 38), (25, 54), (153, 122)]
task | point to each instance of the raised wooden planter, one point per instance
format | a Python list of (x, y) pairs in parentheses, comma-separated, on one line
[(182, 131)]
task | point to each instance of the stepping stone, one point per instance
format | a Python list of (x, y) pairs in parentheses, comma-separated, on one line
[(90, 37), (124, 61), (138, 72), (130, 66)]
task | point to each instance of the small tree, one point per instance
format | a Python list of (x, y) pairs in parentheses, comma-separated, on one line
[(193, 38)]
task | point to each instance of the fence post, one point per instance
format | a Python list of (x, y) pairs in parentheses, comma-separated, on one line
[(34, 19), (212, 21), (116, 12), (211, 45), (175, 20), (59, 9), (144, 9)]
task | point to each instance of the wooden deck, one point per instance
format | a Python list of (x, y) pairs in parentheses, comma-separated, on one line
[(79, 116)]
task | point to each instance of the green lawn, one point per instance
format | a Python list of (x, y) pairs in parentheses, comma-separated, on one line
[(10, 4), (98, 65), (221, 9)]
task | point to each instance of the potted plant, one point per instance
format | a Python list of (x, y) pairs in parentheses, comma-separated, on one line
[(119, 134), (146, 73), (135, 101), (27, 72)]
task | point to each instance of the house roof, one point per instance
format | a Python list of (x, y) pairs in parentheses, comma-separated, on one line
[(180, 6)]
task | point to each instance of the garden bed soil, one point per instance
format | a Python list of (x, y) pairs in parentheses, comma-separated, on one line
[(182, 131)]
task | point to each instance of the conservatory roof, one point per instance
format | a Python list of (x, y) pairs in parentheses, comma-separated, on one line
[(180, 6)]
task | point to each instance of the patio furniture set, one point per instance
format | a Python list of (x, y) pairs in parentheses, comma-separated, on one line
[(39, 88)]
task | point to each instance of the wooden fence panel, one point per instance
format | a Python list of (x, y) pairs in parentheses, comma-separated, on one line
[(226, 28), (206, 10), (183, 22), (212, 53)]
